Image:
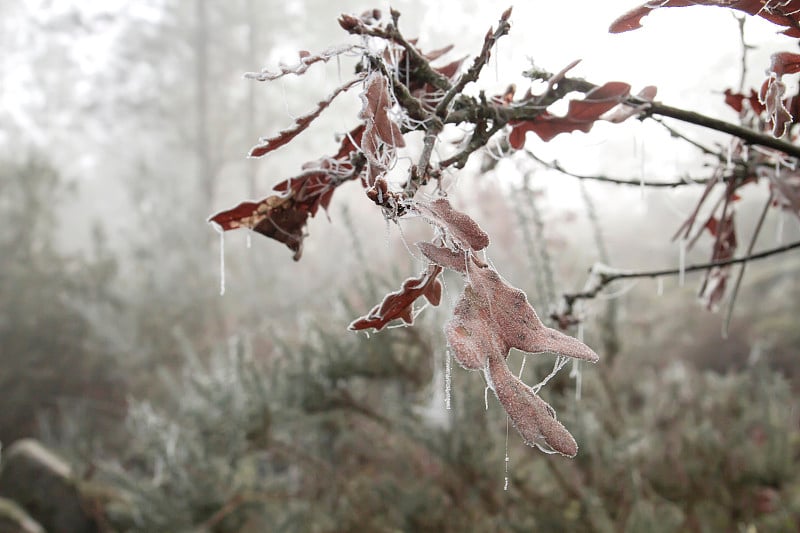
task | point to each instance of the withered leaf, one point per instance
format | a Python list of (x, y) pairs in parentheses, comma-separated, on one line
[(269, 144), (375, 111), (532, 417), (400, 304), (581, 115), (456, 224), (277, 217), (492, 313), (786, 14)]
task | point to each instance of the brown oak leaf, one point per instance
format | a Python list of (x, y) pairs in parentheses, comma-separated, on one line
[(400, 304), (456, 224), (783, 13), (532, 417), (581, 115)]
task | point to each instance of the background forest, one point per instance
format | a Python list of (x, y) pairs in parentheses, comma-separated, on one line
[(163, 406)]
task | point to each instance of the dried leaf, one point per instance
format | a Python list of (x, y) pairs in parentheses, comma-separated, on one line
[(445, 257), (400, 304), (459, 226), (277, 217), (505, 314), (784, 13), (266, 145), (532, 417), (771, 96), (581, 115), (375, 111), (623, 112), (784, 63)]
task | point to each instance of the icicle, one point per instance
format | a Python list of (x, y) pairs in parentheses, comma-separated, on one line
[(507, 460), (339, 68), (448, 372), (660, 284), (580, 332), (682, 262), (486, 397), (249, 238), (576, 374), (641, 171), (221, 260), (522, 366), (779, 228)]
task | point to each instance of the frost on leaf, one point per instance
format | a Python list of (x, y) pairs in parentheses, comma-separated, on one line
[(532, 417), (400, 304), (623, 112), (581, 115), (724, 231), (379, 128), (269, 144), (490, 318), (771, 95), (782, 13), (456, 224), (283, 216), (492, 313)]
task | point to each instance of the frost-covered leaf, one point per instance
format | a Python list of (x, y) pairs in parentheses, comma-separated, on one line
[(532, 417), (724, 232), (492, 313), (305, 60), (457, 225), (266, 145), (581, 115), (283, 216), (784, 13), (737, 100), (784, 63), (771, 95), (445, 257), (375, 111), (400, 304), (623, 112), (277, 217)]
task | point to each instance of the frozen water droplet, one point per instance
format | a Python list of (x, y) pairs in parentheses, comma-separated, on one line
[(522, 366), (486, 397), (507, 459), (576, 374), (448, 370), (682, 262), (221, 260)]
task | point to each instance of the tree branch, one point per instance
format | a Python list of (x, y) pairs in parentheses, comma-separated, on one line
[(605, 278)]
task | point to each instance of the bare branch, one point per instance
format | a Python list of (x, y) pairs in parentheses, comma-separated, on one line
[(605, 278)]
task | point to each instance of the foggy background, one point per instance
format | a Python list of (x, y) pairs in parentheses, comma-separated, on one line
[(125, 124)]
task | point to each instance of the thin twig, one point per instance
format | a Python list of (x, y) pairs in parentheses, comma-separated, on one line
[(605, 278), (555, 165), (735, 292)]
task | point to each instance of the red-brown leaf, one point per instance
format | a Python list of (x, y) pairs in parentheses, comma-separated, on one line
[(400, 304), (531, 416), (277, 217), (581, 115), (785, 14), (456, 224), (269, 144)]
